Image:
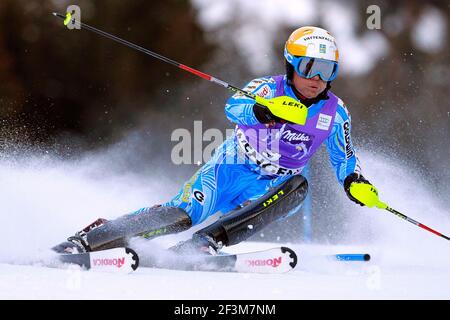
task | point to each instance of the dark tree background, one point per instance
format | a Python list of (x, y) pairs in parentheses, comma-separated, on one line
[(56, 81)]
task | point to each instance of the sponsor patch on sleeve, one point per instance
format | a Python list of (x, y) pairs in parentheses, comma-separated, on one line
[(263, 91), (348, 144)]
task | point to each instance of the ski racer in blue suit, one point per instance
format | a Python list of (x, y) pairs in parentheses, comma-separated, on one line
[(254, 177)]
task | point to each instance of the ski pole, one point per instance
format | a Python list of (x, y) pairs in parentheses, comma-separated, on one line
[(381, 205), (68, 19), (291, 109), (368, 195)]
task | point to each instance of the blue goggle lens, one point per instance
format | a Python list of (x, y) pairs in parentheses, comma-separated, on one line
[(311, 67)]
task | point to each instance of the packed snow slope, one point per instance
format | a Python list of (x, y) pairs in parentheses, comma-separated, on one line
[(378, 279), (43, 200)]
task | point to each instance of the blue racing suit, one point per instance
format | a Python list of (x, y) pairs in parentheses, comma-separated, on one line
[(237, 173)]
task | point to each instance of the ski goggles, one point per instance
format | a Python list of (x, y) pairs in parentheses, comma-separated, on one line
[(307, 67)]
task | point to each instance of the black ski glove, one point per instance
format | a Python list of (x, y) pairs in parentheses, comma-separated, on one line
[(354, 177), (263, 114)]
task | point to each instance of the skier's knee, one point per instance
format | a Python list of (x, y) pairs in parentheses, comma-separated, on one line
[(242, 223)]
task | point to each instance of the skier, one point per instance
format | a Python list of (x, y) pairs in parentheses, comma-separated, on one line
[(254, 177)]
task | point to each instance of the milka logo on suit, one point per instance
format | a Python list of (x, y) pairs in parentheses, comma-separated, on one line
[(295, 136)]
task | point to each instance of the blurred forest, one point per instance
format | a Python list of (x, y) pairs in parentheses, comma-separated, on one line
[(75, 83), (68, 92)]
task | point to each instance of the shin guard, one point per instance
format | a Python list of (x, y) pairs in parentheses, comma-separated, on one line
[(147, 222)]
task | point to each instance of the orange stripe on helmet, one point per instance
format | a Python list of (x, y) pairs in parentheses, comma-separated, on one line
[(296, 49)]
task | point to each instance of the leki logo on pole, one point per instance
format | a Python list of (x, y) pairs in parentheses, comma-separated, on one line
[(73, 17)]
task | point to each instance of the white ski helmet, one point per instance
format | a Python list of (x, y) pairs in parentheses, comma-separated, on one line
[(312, 51)]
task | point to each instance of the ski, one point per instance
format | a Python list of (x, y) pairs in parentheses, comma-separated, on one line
[(274, 260), (120, 260)]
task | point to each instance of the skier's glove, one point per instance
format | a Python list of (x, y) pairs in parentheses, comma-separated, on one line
[(282, 107), (360, 190)]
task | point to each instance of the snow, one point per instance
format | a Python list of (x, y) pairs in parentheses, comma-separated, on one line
[(44, 199), (315, 279)]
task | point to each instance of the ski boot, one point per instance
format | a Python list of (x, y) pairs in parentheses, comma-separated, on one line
[(199, 244), (78, 243)]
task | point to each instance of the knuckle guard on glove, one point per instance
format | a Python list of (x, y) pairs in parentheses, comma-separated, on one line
[(354, 178), (282, 107)]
